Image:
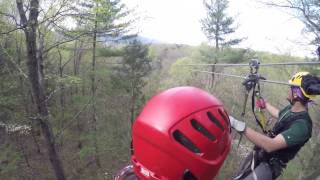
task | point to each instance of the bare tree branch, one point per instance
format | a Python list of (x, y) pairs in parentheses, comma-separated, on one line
[(305, 11), (10, 58), (11, 31), (60, 133), (10, 16), (63, 42), (18, 25)]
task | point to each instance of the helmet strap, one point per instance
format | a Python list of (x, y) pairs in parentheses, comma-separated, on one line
[(297, 96)]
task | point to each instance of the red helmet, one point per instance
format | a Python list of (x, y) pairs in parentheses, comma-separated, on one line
[(182, 133)]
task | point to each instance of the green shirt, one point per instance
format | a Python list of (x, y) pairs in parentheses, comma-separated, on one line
[(299, 131)]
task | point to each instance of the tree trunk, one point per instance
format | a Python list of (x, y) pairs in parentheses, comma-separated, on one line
[(213, 69), (93, 90), (217, 42), (24, 101), (216, 50), (77, 53), (62, 96), (36, 80), (77, 59)]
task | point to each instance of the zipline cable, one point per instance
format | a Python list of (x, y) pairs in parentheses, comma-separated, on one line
[(223, 74), (267, 64), (242, 77)]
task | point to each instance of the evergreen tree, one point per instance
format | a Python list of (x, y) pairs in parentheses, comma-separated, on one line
[(217, 25), (136, 65), (101, 19)]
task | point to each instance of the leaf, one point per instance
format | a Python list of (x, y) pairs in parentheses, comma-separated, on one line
[(70, 81)]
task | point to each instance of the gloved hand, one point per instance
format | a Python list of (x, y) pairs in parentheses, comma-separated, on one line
[(237, 125), (261, 103)]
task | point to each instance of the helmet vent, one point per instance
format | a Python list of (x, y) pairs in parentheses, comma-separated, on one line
[(131, 148), (187, 175), (215, 121), (197, 126), (184, 141), (224, 116)]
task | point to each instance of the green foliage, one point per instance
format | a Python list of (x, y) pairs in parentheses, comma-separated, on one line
[(9, 101), (80, 99), (70, 81), (136, 65), (208, 54), (205, 54), (235, 55), (181, 75), (6, 23), (103, 72), (291, 172), (9, 160), (108, 17), (86, 152), (108, 52)]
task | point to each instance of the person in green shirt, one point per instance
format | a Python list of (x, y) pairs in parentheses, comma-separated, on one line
[(293, 128)]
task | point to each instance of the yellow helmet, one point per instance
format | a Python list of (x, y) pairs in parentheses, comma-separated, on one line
[(296, 80)]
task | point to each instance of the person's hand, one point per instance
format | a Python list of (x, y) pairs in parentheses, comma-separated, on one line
[(261, 103), (239, 126)]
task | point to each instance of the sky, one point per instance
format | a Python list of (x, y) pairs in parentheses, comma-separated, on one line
[(266, 29)]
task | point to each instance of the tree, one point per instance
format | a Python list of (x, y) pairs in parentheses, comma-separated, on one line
[(136, 65), (30, 26), (306, 11), (217, 25), (100, 20)]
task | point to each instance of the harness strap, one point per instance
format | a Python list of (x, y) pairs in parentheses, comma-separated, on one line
[(252, 168), (254, 91)]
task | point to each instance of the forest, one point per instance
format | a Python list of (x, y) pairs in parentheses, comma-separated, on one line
[(74, 76)]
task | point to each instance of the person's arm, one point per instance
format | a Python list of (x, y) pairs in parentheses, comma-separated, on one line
[(265, 142), (261, 140), (272, 110), (262, 104)]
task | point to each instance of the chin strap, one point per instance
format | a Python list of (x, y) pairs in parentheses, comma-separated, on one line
[(297, 96)]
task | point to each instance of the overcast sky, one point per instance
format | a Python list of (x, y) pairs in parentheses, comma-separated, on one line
[(266, 29)]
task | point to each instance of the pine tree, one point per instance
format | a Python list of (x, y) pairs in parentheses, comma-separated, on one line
[(217, 25), (136, 65), (102, 20)]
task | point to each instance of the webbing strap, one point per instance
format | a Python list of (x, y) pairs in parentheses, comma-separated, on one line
[(252, 168), (253, 104)]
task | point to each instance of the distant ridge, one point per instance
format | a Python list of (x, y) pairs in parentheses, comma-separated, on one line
[(142, 39)]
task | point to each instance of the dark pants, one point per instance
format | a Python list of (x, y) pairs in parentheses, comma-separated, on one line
[(262, 171)]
